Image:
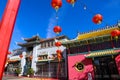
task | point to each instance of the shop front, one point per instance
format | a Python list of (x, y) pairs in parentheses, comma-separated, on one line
[(97, 65)]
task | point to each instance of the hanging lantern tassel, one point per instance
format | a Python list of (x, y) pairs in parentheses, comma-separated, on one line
[(116, 37), (56, 8), (71, 2), (59, 55), (59, 59)]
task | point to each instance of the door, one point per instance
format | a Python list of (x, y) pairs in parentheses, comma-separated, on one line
[(105, 68)]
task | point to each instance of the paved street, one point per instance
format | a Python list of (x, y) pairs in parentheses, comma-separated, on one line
[(23, 78), (13, 78)]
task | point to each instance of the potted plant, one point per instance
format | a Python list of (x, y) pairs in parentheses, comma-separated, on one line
[(30, 72), (18, 71)]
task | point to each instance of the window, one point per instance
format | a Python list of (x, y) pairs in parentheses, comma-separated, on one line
[(41, 45), (48, 44)]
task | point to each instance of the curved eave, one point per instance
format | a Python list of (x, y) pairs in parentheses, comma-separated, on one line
[(96, 33), (92, 40), (32, 38), (28, 44), (103, 53)]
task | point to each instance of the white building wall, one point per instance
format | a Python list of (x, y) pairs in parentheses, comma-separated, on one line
[(34, 60), (23, 62), (50, 50)]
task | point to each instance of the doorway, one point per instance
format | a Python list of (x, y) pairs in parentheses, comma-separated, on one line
[(105, 68)]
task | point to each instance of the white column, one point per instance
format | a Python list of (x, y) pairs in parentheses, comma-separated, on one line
[(23, 62), (33, 65)]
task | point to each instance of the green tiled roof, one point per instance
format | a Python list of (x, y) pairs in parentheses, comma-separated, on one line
[(103, 53)]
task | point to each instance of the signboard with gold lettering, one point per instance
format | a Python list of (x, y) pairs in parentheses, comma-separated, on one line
[(79, 66)]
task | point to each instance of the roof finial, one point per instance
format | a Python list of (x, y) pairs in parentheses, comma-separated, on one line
[(118, 23)]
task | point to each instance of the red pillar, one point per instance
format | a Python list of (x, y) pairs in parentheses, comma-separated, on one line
[(6, 29)]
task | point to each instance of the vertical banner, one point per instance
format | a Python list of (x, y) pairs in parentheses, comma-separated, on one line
[(6, 29), (80, 68), (117, 59)]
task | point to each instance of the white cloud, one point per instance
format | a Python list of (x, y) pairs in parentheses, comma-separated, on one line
[(52, 23)]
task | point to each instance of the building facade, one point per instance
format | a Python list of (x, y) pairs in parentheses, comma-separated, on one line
[(94, 55), (39, 55)]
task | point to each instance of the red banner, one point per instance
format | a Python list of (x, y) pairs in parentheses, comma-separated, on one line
[(6, 29)]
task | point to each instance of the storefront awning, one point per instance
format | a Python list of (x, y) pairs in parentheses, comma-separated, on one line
[(103, 53), (12, 61)]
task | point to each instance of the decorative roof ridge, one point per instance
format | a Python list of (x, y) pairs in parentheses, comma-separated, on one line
[(97, 33), (67, 41), (32, 38), (57, 37), (101, 29)]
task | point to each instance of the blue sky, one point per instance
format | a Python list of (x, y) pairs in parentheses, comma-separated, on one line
[(38, 17)]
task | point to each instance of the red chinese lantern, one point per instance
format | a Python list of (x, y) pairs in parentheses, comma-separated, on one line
[(58, 44), (115, 33), (59, 54), (97, 19), (57, 29), (56, 4), (71, 1), (31, 57), (20, 55)]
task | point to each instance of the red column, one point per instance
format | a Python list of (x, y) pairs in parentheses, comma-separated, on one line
[(6, 29)]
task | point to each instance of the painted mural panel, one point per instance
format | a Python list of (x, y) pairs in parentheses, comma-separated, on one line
[(80, 68)]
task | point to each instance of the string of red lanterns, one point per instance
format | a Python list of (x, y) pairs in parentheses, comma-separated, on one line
[(56, 4)]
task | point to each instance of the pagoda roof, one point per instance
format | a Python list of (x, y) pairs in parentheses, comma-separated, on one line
[(34, 38), (28, 44), (57, 37), (91, 37), (97, 33), (31, 43)]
